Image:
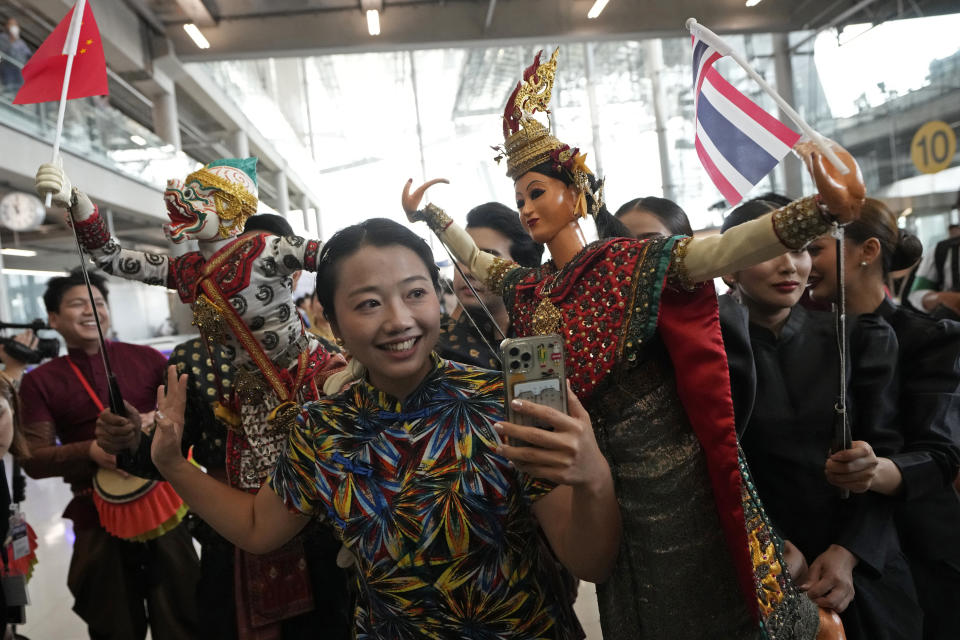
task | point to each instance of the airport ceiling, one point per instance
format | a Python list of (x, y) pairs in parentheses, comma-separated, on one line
[(265, 28)]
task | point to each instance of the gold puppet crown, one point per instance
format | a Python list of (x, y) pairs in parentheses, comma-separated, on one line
[(528, 143), (233, 201)]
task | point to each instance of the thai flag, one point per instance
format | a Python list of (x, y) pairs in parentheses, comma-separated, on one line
[(737, 141)]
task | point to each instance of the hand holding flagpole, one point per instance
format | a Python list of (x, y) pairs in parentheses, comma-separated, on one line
[(718, 43), (70, 50)]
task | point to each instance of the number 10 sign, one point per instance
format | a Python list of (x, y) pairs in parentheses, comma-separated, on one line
[(933, 147)]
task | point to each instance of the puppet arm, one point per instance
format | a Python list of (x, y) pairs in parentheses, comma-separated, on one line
[(91, 228)]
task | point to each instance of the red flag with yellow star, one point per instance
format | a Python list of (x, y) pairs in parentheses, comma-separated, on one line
[(44, 73)]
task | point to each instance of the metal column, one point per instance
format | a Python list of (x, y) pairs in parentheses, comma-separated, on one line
[(283, 197), (166, 121), (305, 207), (239, 143), (653, 59), (783, 68), (592, 105)]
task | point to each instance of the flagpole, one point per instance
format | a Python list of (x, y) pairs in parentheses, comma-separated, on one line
[(70, 48), (717, 43)]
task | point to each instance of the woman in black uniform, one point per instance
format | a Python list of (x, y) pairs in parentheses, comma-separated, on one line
[(855, 563), (921, 474)]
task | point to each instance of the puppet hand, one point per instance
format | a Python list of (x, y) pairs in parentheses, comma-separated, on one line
[(411, 201), (51, 179), (842, 195)]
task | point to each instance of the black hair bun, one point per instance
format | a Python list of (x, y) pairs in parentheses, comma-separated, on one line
[(908, 251)]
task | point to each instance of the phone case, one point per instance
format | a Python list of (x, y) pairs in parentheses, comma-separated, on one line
[(533, 370)]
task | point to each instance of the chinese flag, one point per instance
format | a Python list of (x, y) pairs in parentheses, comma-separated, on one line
[(43, 73)]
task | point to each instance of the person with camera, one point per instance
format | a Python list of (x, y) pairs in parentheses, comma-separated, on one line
[(14, 366), (116, 583)]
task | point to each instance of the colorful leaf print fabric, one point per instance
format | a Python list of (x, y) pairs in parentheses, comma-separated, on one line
[(446, 543)]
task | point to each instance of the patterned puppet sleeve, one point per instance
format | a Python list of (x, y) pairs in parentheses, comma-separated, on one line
[(292, 253), (149, 268), (789, 228), (490, 269), (800, 222)]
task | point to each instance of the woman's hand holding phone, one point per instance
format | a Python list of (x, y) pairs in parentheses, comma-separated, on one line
[(580, 516), (566, 455)]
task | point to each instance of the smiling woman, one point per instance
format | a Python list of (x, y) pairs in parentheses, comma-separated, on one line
[(408, 467), (389, 325)]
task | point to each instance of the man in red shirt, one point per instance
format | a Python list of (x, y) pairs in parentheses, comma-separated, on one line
[(110, 578)]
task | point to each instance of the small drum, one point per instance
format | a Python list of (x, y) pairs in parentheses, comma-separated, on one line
[(135, 508)]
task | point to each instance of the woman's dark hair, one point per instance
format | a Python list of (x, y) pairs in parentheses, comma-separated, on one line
[(753, 209), (607, 225), (900, 250), (502, 219), (375, 232), (668, 212), (58, 287), (269, 222)]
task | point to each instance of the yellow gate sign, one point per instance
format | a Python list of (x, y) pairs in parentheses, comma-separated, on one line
[(933, 147)]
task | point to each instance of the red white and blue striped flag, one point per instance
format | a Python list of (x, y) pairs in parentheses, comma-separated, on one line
[(738, 142)]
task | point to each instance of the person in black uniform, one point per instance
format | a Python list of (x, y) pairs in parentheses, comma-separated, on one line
[(922, 473), (855, 563)]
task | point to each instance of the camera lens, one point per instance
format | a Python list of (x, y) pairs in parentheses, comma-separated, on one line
[(514, 351), (525, 356), (515, 364)]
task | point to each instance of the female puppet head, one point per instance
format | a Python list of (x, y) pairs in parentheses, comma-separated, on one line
[(214, 202), (561, 172)]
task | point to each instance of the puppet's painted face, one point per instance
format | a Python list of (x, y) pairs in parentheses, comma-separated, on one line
[(192, 211), (203, 212), (546, 205)]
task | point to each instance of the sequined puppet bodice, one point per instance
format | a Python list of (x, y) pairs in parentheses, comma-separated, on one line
[(607, 300)]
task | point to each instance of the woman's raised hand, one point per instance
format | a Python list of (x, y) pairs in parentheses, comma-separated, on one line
[(843, 195), (171, 403), (411, 201)]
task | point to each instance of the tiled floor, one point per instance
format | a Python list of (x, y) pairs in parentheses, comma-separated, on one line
[(50, 617)]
